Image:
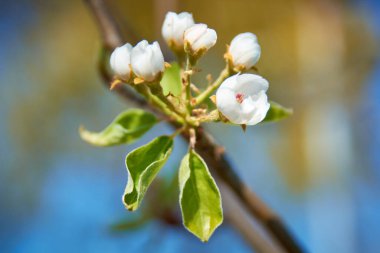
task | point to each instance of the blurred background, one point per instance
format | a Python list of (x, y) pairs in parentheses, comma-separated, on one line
[(319, 169)]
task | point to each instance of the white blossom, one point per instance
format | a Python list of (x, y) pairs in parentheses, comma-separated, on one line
[(244, 51), (147, 61), (175, 26), (242, 99), (199, 37), (120, 61)]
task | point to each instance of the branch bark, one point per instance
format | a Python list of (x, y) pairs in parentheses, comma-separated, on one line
[(206, 147)]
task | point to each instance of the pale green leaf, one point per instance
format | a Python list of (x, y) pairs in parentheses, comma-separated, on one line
[(200, 199), (126, 128), (171, 81), (277, 112), (143, 164)]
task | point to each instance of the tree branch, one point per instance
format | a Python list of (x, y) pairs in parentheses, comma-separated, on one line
[(206, 147)]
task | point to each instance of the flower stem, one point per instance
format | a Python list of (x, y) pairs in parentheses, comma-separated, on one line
[(144, 90), (187, 85), (192, 138), (177, 132), (208, 92), (156, 90)]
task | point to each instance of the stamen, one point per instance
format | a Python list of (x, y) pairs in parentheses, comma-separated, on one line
[(239, 97)]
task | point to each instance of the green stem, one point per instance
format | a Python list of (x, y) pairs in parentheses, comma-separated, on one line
[(177, 132), (144, 90), (156, 89), (210, 90), (187, 85)]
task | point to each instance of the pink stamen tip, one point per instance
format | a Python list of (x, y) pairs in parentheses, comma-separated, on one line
[(239, 97)]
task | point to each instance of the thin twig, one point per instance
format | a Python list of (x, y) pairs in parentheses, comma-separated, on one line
[(206, 147)]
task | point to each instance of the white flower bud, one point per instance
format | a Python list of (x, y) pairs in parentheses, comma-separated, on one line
[(200, 38), (120, 61), (147, 61), (242, 99), (244, 51), (174, 27)]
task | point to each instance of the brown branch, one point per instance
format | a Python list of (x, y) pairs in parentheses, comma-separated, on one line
[(240, 218), (206, 147), (111, 35), (211, 153)]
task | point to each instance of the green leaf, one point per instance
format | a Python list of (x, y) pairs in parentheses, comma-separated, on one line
[(200, 199), (143, 164), (171, 81), (277, 112), (126, 128)]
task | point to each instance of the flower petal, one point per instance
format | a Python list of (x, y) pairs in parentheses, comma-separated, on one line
[(245, 50), (230, 83), (120, 60), (199, 36), (208, 40), (175, 25), (158, 57), (240, 40), (248, 56), (147, 60), (261, 106), (227, 104), (193, 33), (250, 84)]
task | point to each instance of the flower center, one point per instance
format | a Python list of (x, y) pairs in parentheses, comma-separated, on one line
[(239, 97)]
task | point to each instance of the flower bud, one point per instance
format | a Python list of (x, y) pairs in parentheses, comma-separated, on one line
[(198, 39), (120, 62), (174, 27), (242, 99), (147, 61), (244, 51)]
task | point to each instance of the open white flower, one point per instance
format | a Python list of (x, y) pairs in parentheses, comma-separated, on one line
[(174, 27), (244, 51), (200, 38), (242, 99), (120, 62), (147, 61)]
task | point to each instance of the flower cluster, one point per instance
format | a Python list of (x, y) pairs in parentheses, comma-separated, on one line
[(240, 98)]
